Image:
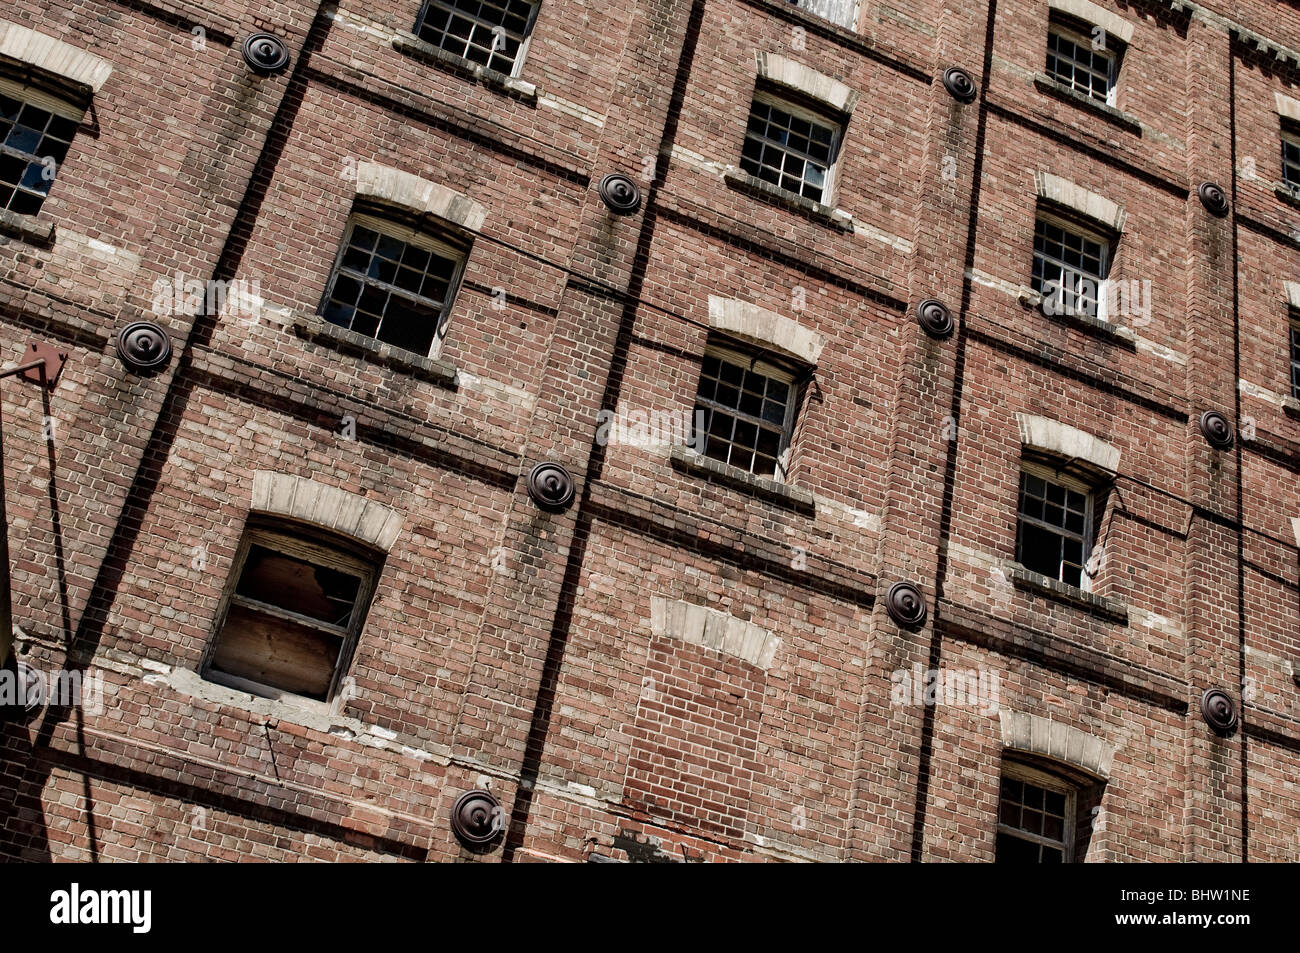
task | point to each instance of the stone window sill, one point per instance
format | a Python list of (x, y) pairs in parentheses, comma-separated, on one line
[(1106, 111), (31, 229), (314, 328), (835, 218), (1287, 193), (1084, 322), (782, 494), (1111, 609), (1291, 406), (499, 82)]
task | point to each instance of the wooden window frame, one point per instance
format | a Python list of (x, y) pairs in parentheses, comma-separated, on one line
[(1075, 226), (319, 549), (446, 243), (810, 111), (758, 361), (524, 41), (1050, 782), (1079, 32), (1044, 471)]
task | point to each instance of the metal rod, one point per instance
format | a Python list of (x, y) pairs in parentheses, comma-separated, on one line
[(6, 598)]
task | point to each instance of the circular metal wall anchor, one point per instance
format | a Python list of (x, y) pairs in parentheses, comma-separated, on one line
[(143, 346), (265, 53), (960, 84), (550, 486), (1213, 198), (1218, 711), (477, 818), (906, 605), (1216, 429), (934, 317), (620, 193), (22, 692)]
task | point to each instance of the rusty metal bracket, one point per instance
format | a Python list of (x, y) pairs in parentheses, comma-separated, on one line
[(54, 360)]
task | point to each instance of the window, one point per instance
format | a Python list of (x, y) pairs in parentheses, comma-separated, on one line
[(843, 12), (1295, 357), (1291, 157), (1054, 530), (492, 33), (749, 409), (1070, 264), (293, 617), (1036, 817), (394, 284), (35, 132), (791, 147), (1077, 60)]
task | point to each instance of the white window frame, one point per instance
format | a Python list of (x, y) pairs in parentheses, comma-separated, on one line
[(1074, 31), (753, 360), (827, 119), (410, 236), (451, 4), (1292, 340), (1050, 782), (1073, 226), (55, 105), (1289, 136), (1046, 472)]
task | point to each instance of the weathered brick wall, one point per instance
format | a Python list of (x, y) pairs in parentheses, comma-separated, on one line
[(516, 649)]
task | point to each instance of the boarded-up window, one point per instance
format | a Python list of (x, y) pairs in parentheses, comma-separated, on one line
[(842, 12), (293, 615)]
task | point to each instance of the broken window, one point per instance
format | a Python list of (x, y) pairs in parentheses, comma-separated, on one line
[(1036, 816), (1055, 525), (749, 406), (843, 12), (293, 616), (492, 33), (36, 130), (394, 284), (791, 147)]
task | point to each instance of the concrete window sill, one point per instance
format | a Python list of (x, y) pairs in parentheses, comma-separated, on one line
[(1110, 609), (29, 229), (1287, 193), (834, 218), (412, 45), (1106, 111), (314, 328), (1084, 322), (1291, 406), (782, 494)]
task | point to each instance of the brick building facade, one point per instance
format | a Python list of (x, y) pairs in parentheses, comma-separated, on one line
[(299, 557)]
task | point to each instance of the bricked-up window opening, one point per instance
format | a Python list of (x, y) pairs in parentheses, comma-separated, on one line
[(1291, 157), (1070, 266), (1036, 817), (791, 147), (843, 12), (292, 618), (492, 33), (749, 409), (1054, 530), (394, 284), (36, 130), (1086, 63)]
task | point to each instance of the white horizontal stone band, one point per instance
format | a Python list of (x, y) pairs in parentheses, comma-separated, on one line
[(1051, 739), (394, 187), (1115, 25), (712, 629), (326, 506), (777, 69), (765, 327), (53, 56), (1052, 436), (1053, 188)]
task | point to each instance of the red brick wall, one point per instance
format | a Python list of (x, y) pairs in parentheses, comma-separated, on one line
[(510, 647)]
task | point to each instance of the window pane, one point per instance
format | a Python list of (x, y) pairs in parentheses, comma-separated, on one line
[(490, 32)]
